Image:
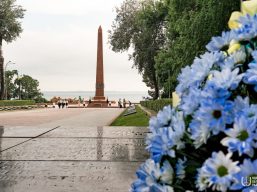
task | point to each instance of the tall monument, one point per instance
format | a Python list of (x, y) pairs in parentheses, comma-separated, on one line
[(99, 86), (99, 98)]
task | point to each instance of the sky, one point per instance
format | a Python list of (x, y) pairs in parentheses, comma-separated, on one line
[(59, 42)]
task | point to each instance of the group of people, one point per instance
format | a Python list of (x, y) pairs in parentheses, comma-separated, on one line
[(62, 103), (123, 103)]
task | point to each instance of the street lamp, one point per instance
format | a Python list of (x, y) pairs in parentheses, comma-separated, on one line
[(5, 83)]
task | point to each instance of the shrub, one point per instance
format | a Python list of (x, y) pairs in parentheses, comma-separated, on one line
[(4, 103), (156, 105)]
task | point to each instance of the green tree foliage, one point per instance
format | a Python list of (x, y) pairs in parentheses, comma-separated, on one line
[(27, 88), (9, 83), (140, 25), (191, 24), (10, 28)]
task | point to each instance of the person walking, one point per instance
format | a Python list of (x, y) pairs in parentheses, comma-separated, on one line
[(63, 103), (59, 104), (124, 103), (119, 103)]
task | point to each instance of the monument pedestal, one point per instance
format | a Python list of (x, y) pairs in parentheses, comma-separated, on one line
[(98, 104), (99, 98)]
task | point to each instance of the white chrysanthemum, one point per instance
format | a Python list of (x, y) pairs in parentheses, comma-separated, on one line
[(200, 133)]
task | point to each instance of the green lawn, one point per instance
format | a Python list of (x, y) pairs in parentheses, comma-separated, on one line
[(140, 118)]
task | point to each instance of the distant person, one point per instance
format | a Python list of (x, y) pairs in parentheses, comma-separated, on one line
[(63, 103), (119, 103), (124, 103), (84, 103), (59, 104), (107, 101), (66, 103), (90, 101), (130, 103)]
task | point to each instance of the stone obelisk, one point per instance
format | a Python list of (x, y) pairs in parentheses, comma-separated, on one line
[(99, 87)]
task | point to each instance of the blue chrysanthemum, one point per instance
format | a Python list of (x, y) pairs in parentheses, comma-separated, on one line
[(241, 137), (198, 72), (251, 75), (161, 143), (211, 91), (214, 114), (226, 79), (187, 106), (221, 43), (180, 168), (153, 177), (242, 107), (248, 29), (247, 177), (163, 119), (200, 133), (164, 140)]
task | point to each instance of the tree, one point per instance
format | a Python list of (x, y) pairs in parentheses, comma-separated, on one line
[(140, 25), (9, 84), (27, 88), (190, 26), (10, 28)]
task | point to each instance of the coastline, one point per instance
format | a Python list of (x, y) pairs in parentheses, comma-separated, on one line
[(133, 96)]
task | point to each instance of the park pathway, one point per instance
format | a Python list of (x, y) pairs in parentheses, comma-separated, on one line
[(68, 150)]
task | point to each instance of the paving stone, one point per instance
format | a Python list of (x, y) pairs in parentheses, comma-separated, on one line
[(70, 158), (45, 176), (23, 131), (6, 143), (79, 149), (112, 132)]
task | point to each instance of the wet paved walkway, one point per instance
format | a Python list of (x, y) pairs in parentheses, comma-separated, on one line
[(69, 153)]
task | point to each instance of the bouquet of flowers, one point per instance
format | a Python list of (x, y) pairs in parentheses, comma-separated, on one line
[(209, 141)]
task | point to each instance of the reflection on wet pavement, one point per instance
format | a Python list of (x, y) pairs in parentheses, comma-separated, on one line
[(70, 159)]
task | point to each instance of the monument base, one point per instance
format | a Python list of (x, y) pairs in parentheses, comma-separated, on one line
[(98, 104), (99, 98)]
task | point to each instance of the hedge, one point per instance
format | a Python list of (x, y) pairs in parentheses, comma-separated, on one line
[(4, 103), (156, 105)]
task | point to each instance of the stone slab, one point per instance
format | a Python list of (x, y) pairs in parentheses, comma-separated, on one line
[(78, 149), (23, 131), (6, 143), (106, 132), (45, 176)]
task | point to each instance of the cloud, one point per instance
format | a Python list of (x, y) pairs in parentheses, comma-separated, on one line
[(68, 7)]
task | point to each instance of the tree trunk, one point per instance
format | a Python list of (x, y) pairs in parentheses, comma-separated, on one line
[(156, 87), (1, 71)]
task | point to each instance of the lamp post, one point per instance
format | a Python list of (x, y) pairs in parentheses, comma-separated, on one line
[(5, 82), (19, 84)]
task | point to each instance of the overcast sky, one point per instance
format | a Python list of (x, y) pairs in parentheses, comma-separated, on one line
[(58, 46)]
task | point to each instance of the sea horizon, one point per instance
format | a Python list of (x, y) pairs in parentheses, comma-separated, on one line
[(133, 96)]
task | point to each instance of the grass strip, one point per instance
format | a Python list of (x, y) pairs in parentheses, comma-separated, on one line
[(140, 118)]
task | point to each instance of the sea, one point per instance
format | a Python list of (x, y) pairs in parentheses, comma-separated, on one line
[(133, 96)]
